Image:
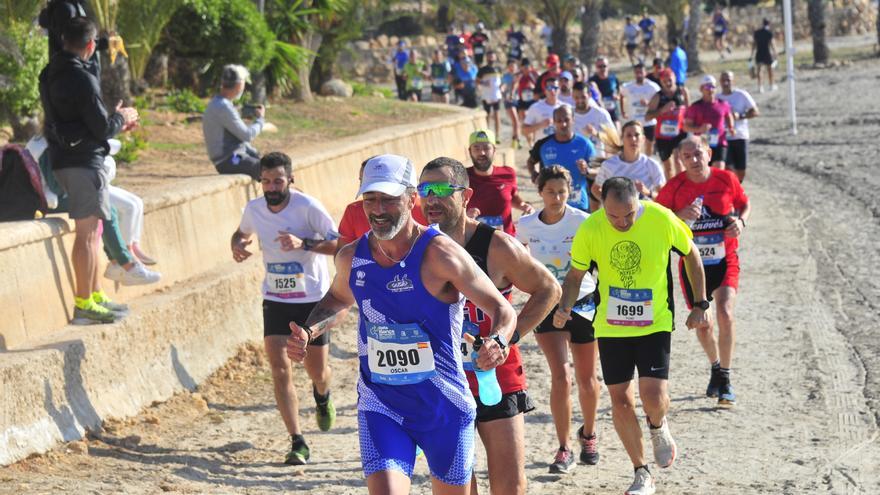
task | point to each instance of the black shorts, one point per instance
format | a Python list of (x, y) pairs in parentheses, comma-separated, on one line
[(665, 147), (580, 328), (278, 315), (631, 47), (737, 153), (511, 404), (719, 153), (439, 91), (488, 107), (649, 354), (509, 104), (649, 133), (416, 92), (524, 105), (764, 58)]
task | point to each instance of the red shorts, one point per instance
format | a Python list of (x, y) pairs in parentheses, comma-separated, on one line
[(724, 274)]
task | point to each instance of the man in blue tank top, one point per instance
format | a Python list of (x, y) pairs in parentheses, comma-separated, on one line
[(409, 283)]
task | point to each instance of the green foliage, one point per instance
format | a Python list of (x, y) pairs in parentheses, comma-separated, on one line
[(364, 89), (142, 32), (213, 33), (281, 73), (20, 70), (132, 144), (185, 101), (19, 10)]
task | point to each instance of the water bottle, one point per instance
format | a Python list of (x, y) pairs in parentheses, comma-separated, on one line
[(699, 204), (487, 383)]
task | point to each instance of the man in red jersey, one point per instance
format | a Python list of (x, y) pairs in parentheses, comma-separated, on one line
[(713, 202), (495, 190), (445, 191)]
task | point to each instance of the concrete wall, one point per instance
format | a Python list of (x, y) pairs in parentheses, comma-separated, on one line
[(57, 380)]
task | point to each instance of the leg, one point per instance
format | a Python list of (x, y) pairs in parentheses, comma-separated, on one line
[(496, 117), (514, 122), (504, 440), (725, 299), (282, 380), (316, 365), (440, 488), (708, 342), (770, 75), (388, 483), (388, 453), (84, 255), (554, 345), (585, 359), (626, 423), (655, 400)]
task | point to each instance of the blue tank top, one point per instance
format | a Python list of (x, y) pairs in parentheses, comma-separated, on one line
[(399, 318), (553, 152)]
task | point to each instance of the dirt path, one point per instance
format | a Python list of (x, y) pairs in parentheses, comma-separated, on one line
[(805, 369)]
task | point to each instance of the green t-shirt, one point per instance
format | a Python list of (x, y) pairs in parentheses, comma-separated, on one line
[(635, 283), (414, 75)]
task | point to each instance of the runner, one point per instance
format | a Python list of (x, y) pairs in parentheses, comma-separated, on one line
[(678, 62), (489, 81), (416, 72), (295, 233), (717, 221), (445, 192), (539, 116), (566, 81), (508, 84), (630, 40), (548, 235), (647, 25), (629, 241), (516, 40), (668, 107), (454, 43), (525, 94), (479, 43), (634, 98), (466, 80), (743, 108), (553, 71), (398, 61), (441, 72), (656, 67), (608, 87), (720, 26), (644, 171), (571, 64), (409, 282), (590, 118), (494, 186), (712, 117), (764, 54), (571, 150)]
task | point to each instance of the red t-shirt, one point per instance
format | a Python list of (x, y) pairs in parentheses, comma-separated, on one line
[(354, 221), (510, 374), (723, 196), (493, 195), (714, 113)]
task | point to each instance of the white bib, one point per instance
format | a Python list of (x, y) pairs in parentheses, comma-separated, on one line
[(713, 135), (285, 280), (711, 248), (399, 354), (439, 82), (669, 128), (527, 95), (630, 307), (610, 103)]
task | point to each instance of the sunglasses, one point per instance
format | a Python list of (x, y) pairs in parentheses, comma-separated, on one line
[(601, 66), (552, 87), (439, 189)]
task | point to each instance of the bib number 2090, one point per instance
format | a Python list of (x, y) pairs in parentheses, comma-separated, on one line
[(399, 357)]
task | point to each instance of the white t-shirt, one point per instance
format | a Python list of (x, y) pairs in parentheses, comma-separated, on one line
[(541, 110), (297, 276), (567, 99), (551, 244), (645, 169), (633, 93), (631, 34), (740, 101), (598, 118)]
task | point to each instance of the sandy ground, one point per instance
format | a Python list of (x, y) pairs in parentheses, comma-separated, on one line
[(805, 374)]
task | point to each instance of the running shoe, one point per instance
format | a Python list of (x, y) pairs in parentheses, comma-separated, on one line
[(664, 444), (563, 462), (589, 447), (137, 275), (726, 397), (325, 414), (118, 308), (715, 381), (299, 453), (92, 314), (643, 483)]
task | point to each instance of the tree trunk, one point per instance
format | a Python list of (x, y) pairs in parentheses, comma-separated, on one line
[(322, 68), (816, 14), (692, 47), (24, 128), (115, 81), (303, 91), (590, 25), (560, 39), (673, 30)]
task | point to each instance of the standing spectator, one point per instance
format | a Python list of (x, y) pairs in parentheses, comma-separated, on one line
[(415, 72), (489, 79), (227, 137), (398, 60), (678, 62), (608, 86), (764, 54), (720, 26), (631, 39), (479, 43), (77, 128), (441, 71), (516, 40), (647, 25)]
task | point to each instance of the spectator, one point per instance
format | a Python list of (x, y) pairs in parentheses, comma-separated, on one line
[(77, 128), (227, 137)]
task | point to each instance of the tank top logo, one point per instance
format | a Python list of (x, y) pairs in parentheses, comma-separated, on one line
[(625, 258), (360, 278), (400, 284)]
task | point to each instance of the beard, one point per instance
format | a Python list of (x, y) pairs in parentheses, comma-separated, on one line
[(482, 163), (390, 228), (275, 198)]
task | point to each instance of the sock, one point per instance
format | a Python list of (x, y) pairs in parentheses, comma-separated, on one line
[(645, 467), (82, 303), (716, 365), (297, 440), (320, 399), (725, 372), (100, 296)]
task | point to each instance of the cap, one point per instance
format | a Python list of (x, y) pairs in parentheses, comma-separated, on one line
[(482, 136), (388, 174), (566, 75), (570, 58), (552, 59), (708, 79)]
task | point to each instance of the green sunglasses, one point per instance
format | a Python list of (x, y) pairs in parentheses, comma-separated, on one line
[(440, 189)]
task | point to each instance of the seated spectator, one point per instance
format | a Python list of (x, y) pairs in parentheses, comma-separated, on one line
[(131, 210), (227, 137)]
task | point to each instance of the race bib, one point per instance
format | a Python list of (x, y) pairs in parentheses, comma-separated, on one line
[(669, 128), (711, 248), (719, 28), (417, 82), (527, 95), (478, 50), (439, 82), (399, 354), (586, 309), (494, 221), (466, 347), (630, 307), (713, 136), (285, 280), (609, 103)]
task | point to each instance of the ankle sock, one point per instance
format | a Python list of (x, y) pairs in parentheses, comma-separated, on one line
[(82, 303), (716, 365), (297, 440), (320, 399), (100, 296)]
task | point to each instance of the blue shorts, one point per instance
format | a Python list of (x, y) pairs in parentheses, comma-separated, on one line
[(387, 446)]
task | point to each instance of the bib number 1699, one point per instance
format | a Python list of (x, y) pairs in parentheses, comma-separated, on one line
[(630, 310)]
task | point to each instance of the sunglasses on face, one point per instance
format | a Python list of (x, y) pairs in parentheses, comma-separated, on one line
[(601, 66), (439, 189), (551, 87)]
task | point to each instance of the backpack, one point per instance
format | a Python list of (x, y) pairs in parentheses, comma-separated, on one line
[(21, 190)]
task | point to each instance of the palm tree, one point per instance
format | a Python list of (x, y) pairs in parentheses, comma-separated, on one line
[(692, 46), (816, 14), (591, 21), (115, 76), (559, 14)]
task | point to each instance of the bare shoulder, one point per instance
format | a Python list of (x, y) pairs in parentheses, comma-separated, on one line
[(443, 250), (506, 253), (345, 255)]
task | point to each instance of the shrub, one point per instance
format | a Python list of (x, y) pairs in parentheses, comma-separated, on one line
[(185, 101), (364, 89), (20, 71), (132, 144)]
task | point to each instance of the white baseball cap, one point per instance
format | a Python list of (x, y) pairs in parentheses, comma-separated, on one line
[(388, 174), (708, 79)]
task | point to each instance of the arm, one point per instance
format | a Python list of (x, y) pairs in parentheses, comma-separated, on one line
[(239, 243), (520, 204), (693, 265), (90, 106), (233, 124), (571, 287), (533, 165), (736, 228), (622, 105), (653, 108)]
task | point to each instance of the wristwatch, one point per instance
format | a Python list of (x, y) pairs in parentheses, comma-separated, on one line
[(500, 340), (704, 304)]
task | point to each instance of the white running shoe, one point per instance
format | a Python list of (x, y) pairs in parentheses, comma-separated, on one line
[(664, 445), (137, 275), (643, 483)]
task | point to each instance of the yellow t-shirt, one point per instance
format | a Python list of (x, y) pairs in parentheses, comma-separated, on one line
[(635, 282)]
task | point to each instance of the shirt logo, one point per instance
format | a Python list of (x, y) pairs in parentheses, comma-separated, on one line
[(360, 278), (400, 284)]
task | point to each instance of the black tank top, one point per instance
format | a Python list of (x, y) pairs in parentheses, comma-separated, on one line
[(676, 97), (478, 246)]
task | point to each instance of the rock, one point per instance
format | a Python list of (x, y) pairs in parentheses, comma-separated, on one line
[(336, 87), (199, 402), (392, 41), (151, 420), (430, 41), (80, 447), (131, 441), (362, 45), (382, 40)]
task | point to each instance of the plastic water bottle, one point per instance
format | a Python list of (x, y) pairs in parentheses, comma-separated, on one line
[(487, 383), (698, 202)]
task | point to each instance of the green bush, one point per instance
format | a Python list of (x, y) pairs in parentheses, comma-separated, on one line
[(20, 70), (364, 89), (132, 144), (212, 33), (185, 101)]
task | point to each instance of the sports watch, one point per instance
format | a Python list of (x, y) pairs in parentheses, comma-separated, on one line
[(704, 304), (500, 340)]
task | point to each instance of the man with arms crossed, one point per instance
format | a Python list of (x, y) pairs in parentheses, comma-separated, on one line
[(629, 241)]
